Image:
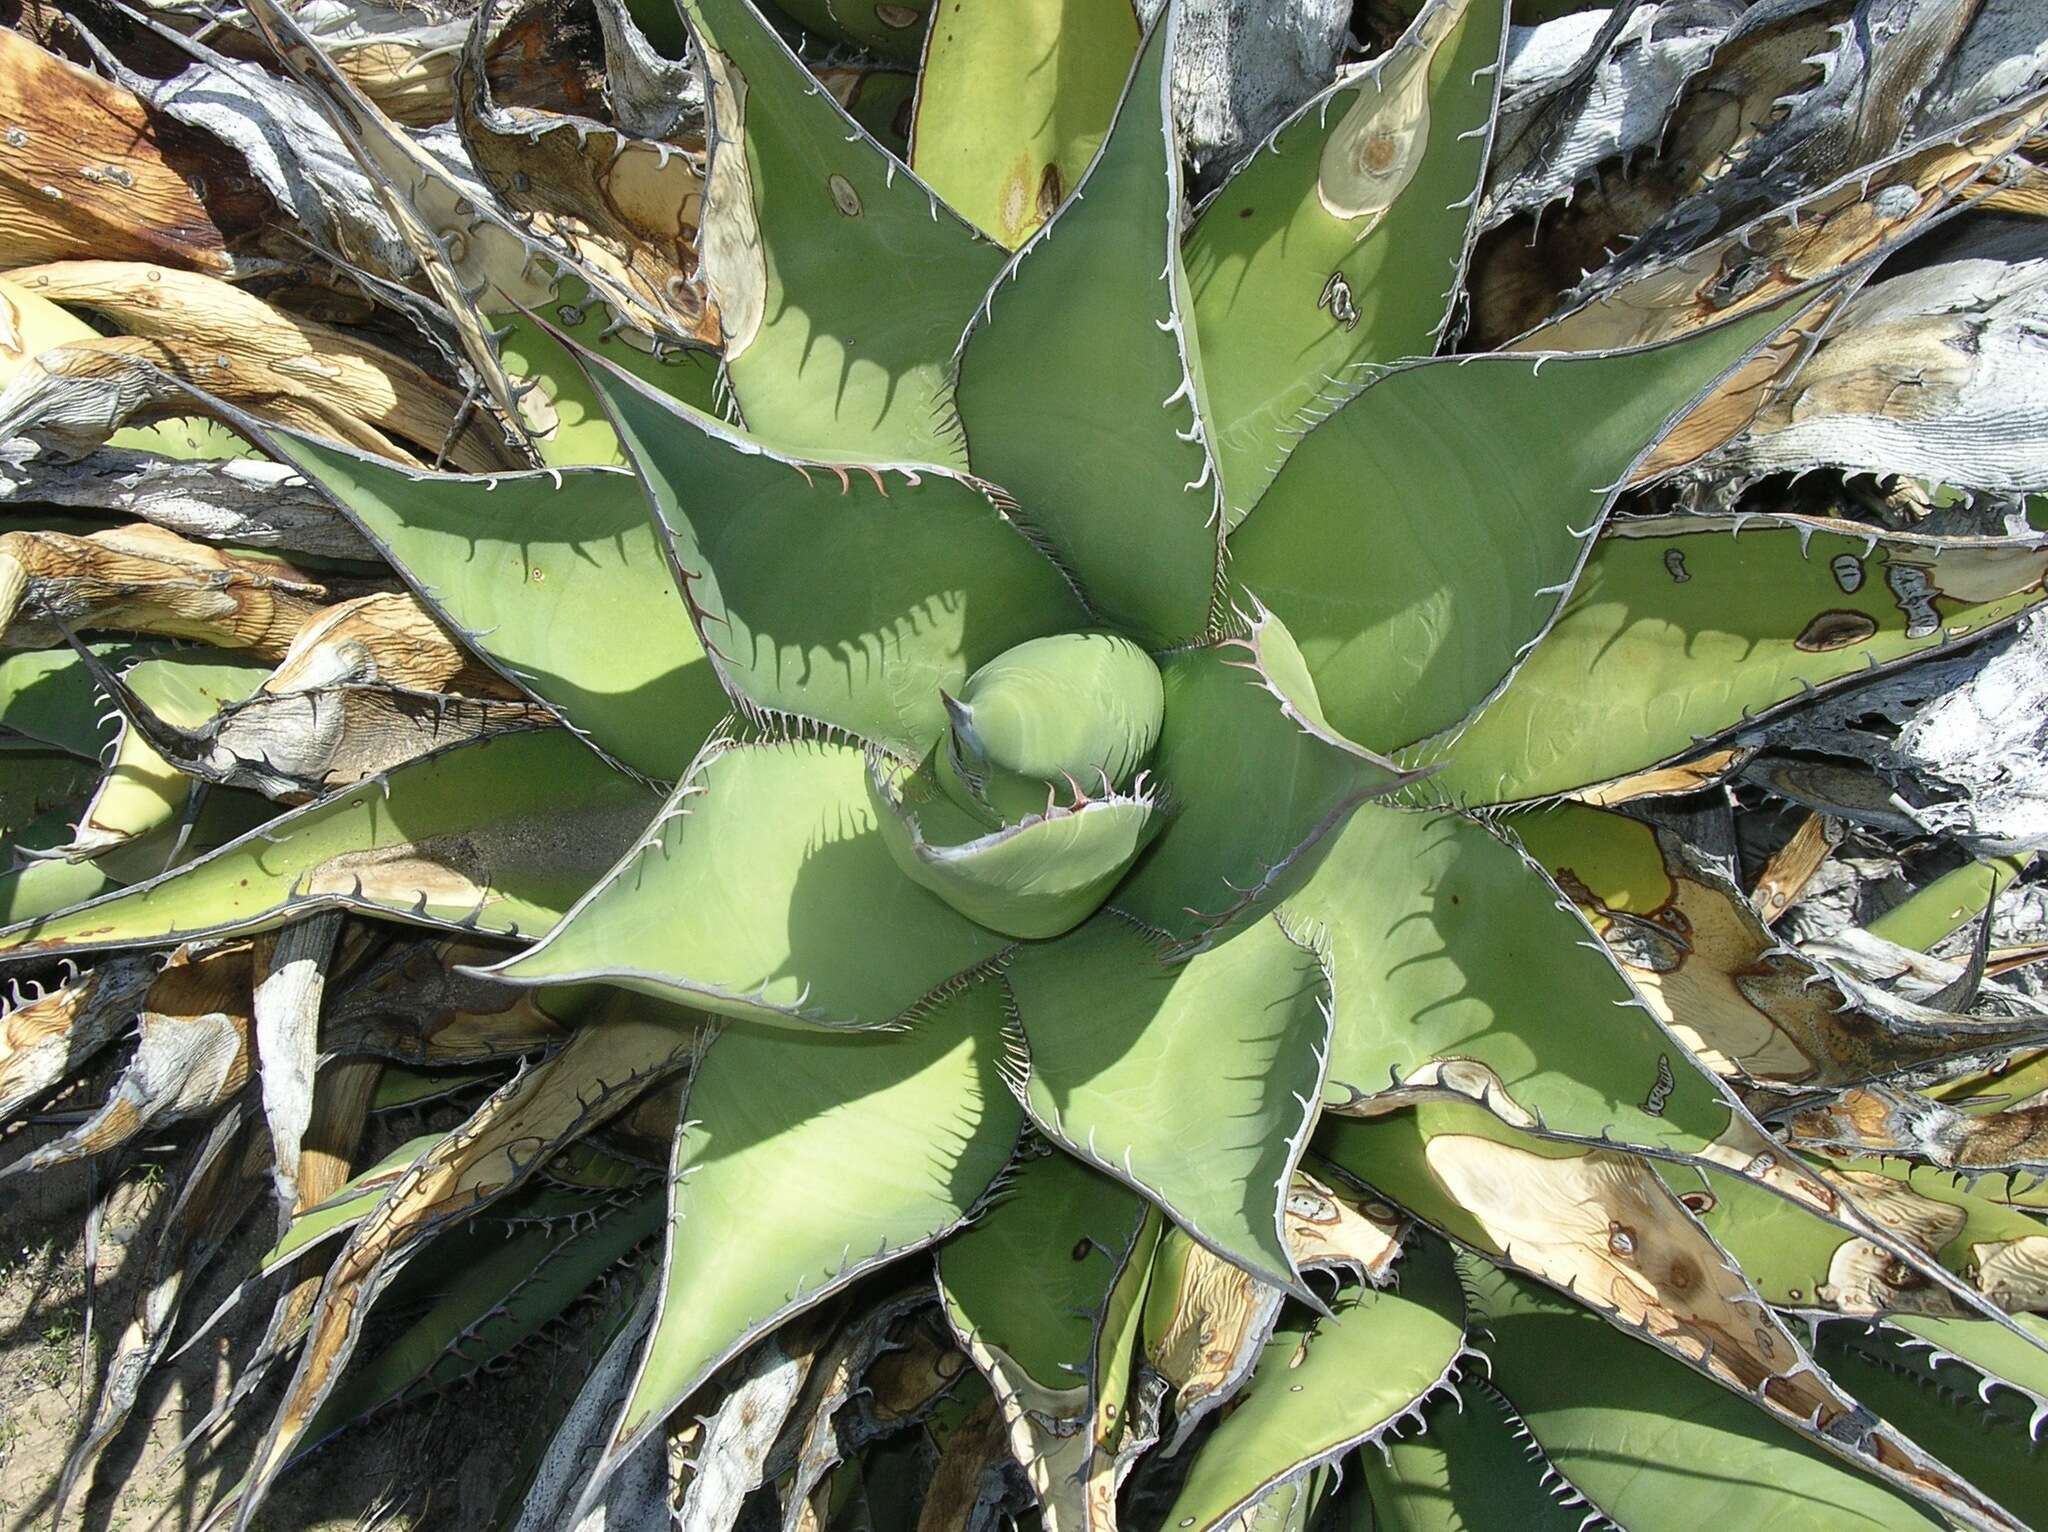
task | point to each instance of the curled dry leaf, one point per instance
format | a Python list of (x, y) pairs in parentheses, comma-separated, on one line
[(45, 1039), (1206, 1319), (1934, 373), (242, 501), (388, 638), (1878, 1120), (142, 579), (1745, 1003), (1606, 1228), (193, 1054), (290, 968), (296, 745), (1793, 865), (1814, 239), (295, 371), (626, 208), (418, 1006), (1520, 268)]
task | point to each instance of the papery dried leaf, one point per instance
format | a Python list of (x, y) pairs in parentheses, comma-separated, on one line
[(820, 1435), (289, 146), (296, 745), (728, 1454), (468, 251), (245, 502), (143, 792), (193, 1055), (290, 969), (296, 371), (388, 639), (1703, 959), (1877, 1120), (1819, 236), (626, 207), (1793, 865), (418, 1006), (1933, 373), (85, 170), (970, 1479), (1520, 269), (45, 1039), (141, 579), (1608, 1230), (1206, 1319), (1873, 75), (1565, 112)]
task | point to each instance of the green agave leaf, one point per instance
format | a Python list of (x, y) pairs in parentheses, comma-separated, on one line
[(399, 1087), (1421, 538), (1651, 1444), (46, 696), (36, 885), (1083, 709), (765, 890), (894, 29), (841, 282), (1948, 903), (1033, 879), (1469, 964), (882, 100), (1323, 1386), (825, 594), (1057, 67), (1997, 1358), (520, 564), (806, 1161), (563, 418), (48, 885), (1044, 1292), (1081, 330), (1683, 629), (39, 788), (498, 835), (1468, 1472), (1192, 1078), (1239, 712), (1340, 244), (1983, 1434), (491, 1307)]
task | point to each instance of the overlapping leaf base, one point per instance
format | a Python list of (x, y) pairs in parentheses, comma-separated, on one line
[(1061, 846)]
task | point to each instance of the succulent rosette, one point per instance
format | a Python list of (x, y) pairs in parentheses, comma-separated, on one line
[(1085, 754)]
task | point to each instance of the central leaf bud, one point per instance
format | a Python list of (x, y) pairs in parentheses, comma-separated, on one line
[(1055, 719)]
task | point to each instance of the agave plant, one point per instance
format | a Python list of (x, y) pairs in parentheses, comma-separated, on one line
[(1070, 780)]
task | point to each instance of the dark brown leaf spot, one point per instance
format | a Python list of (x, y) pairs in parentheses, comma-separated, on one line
[(1835, 630), (1051, 192)]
